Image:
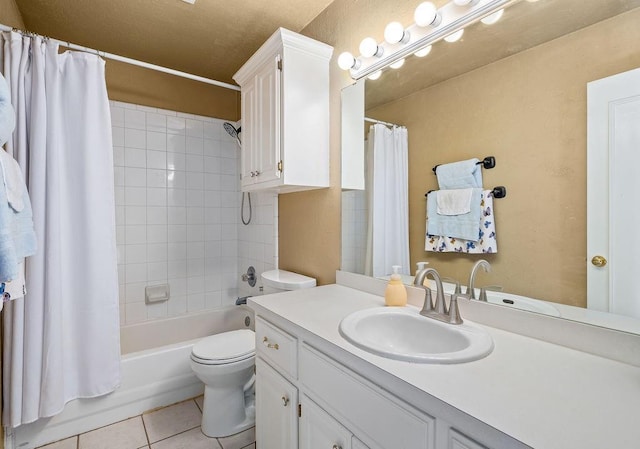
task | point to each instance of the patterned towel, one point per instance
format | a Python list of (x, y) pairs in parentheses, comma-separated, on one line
[(486, 242)]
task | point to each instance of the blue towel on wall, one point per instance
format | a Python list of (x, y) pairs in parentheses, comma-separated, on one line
[(459, 175), (464, 226), (7, 114), (17, 237)]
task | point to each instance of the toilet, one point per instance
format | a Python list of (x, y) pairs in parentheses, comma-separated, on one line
[(225, 363)]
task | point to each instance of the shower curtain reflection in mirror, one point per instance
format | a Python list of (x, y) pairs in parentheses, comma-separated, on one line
[(387, 185)]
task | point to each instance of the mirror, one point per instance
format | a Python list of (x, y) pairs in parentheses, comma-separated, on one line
[(516, 90)]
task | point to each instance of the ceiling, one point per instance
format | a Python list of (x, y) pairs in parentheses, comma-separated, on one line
[(211, 38)]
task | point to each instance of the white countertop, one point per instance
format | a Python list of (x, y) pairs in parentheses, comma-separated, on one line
[(544, 395)]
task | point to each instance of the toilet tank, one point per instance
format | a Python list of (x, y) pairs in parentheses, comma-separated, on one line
[(274, 281)]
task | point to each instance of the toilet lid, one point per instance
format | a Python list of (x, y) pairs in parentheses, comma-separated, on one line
[(226, 345)]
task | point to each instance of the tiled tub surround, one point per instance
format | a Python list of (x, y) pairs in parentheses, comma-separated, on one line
[(177, 211)]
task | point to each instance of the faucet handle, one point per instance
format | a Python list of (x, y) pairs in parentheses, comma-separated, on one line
[(454, 313), (427, 308), (483, 291), (458, 289)]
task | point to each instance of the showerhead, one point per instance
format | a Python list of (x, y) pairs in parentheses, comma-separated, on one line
[(232, 131)]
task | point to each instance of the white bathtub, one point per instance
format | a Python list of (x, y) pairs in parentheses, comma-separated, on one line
[(155, 373)]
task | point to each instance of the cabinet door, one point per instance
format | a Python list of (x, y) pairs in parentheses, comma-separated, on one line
[(318, 430), (249, 134), (269, 127), (460, 441), (276, 409)]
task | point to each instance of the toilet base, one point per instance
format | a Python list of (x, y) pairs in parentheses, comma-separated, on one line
[(227, 411)]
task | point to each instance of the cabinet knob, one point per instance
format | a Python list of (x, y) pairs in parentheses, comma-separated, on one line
[(257, 173), (285, 401), (336, 446), (275, 346), (599, 261), (253, 174)]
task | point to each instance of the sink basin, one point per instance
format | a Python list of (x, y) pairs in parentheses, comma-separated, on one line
[(401, 333)]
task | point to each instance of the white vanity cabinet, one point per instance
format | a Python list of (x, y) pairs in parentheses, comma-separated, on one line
[(307, 399), (285, 114)]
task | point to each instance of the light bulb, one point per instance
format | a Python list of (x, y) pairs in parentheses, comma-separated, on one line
[(395, 32), (375, 75), (369, 47), (427, 14), (465, 2), (493, 18), (423, 52), (346, 61), (396, 65), (455, 36)]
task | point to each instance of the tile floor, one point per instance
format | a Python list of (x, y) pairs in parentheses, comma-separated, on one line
[(174, 427)]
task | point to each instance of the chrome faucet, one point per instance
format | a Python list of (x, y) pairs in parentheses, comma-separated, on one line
[(437, 311), (471, 293)]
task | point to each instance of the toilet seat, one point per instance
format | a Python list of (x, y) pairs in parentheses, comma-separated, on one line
[(225, 348)]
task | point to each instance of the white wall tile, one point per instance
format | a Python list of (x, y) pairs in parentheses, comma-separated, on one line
[(135, 138), (135, 234), (156, 197), (194, 163), (156, 141), (118, 156), (177, 215), (135, 157), (156, 178), (117, 116), (117, 136), (156, 122), (135, 177), (194, 128), (156, 215), (136, 254), (135, 312), (134, 119), (176, 125), (157, 252), (177, 179), (173, 174), (157, 159), (176, 161), (134, 292)]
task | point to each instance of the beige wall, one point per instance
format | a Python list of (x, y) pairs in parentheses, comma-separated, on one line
[(529, 111), (10, 15), (137, 85)]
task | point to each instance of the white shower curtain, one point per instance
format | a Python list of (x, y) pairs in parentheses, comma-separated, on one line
[(62, 339), (388, 197)]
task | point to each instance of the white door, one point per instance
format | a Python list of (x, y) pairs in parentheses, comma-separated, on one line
[(276, 409), (318, 430), (613, 194)]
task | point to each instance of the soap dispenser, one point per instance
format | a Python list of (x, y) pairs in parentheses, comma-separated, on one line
[(396, 293), (421, 266)]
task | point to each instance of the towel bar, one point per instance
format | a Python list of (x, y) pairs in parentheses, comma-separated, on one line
[(488, 162), (496, 192)]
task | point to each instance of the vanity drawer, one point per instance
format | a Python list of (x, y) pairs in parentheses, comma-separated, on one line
[(276, 346), (374, 417)]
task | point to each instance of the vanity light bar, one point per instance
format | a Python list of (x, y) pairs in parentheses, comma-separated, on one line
[(452, 18)]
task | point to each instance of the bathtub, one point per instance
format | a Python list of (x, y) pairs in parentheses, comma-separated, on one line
[(155, 373)]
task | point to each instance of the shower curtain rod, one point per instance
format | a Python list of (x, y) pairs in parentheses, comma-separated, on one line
[(126, 60), (372, 120)]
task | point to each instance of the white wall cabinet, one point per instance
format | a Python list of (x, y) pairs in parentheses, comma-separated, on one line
[(285, 114), (341, 409)]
